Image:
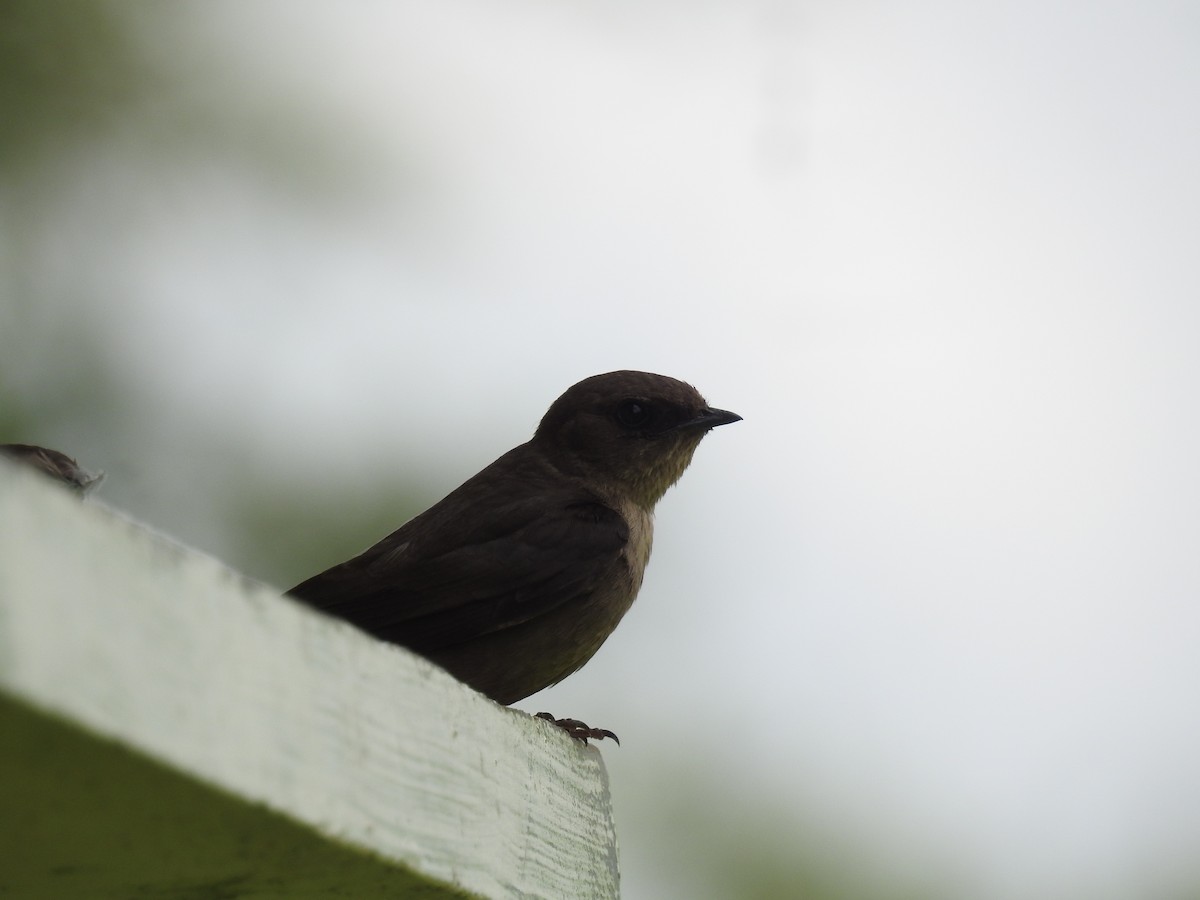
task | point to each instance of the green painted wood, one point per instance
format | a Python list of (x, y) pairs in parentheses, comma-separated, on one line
[(129, 636), (82, 816)]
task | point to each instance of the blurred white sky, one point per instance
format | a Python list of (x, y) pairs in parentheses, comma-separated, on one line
[(939, 591)]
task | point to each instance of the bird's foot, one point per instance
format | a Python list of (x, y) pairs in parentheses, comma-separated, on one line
[(581, 731)]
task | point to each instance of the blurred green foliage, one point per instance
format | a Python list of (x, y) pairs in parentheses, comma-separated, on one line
[(68, 72), (84, 83)]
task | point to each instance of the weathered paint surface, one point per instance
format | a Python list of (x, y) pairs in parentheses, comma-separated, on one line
[(133, 636)]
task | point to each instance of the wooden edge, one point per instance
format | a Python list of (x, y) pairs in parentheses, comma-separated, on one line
[(133, 636)]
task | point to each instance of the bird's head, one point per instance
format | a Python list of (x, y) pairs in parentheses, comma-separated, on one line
[(633, 432)]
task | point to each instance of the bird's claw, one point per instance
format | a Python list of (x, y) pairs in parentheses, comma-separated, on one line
[(581, 731)]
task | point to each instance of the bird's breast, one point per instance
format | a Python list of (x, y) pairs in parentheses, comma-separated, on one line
[(641, 538)]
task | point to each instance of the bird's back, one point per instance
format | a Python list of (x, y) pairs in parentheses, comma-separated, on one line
[(511, 582)]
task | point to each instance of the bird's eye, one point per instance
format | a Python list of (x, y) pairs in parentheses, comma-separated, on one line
[(634, 413)]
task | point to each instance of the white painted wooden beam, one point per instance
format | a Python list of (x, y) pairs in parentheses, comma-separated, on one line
[(133, 636)]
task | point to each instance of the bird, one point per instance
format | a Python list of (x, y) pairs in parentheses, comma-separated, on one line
[(514, 580), (53, 463)]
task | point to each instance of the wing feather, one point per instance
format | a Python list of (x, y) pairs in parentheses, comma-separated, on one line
[(429, 586)]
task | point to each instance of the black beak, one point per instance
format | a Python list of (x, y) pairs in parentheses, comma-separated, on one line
[(711, 418)]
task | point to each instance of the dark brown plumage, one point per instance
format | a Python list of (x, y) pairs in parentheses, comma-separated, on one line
[(517, 577)]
